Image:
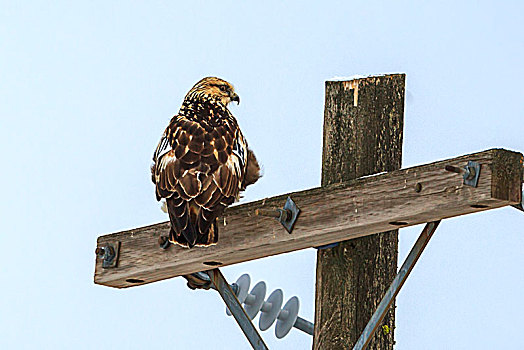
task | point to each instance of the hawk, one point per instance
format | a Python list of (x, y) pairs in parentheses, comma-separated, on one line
[(202, 163)]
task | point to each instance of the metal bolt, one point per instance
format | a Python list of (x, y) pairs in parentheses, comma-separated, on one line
[(454, 169), (99, 251), (282, 215), (287, 216), (106, 252), (470, 173), (163, 242)]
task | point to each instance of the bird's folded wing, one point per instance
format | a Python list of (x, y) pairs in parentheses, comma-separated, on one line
[(194, 163)]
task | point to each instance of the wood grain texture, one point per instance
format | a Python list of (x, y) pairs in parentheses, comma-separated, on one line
[(329, 214), (363, 130)]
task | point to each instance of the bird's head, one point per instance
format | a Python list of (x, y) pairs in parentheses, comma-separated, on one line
[(215, 89)]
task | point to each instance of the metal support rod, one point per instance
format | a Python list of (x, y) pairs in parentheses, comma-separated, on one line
[(279, 214), (287, 216), (395, 286), (304, 325), (236, 309)]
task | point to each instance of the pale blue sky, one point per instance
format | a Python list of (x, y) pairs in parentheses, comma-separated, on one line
[(86, 90)]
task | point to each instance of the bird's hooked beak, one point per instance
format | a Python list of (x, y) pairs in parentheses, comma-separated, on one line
[(234, 97)]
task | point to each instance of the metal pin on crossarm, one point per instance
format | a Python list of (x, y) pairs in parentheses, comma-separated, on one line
[(470, 173), (287, 216)]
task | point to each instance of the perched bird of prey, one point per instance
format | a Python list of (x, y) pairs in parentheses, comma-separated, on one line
[(202, 163)]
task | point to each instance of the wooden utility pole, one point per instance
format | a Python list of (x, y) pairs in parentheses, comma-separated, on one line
[(363, 123)]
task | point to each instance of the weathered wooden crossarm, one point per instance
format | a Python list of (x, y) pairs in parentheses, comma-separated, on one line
[(328, 214)]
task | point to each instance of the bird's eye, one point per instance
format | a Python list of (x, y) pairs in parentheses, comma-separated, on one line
[(223, 88)]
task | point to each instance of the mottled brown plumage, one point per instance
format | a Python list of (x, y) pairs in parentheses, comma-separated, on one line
[(201, 163)]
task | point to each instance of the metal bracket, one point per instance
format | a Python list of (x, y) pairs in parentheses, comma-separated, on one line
[(289, 221), (109, 253), (470, 173), (287, 216)]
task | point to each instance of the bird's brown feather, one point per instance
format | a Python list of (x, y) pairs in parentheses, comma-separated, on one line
[(201, 164)]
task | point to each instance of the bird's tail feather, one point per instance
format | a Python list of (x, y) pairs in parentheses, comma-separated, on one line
[(182, 231), (190, 224), (210, 237)]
